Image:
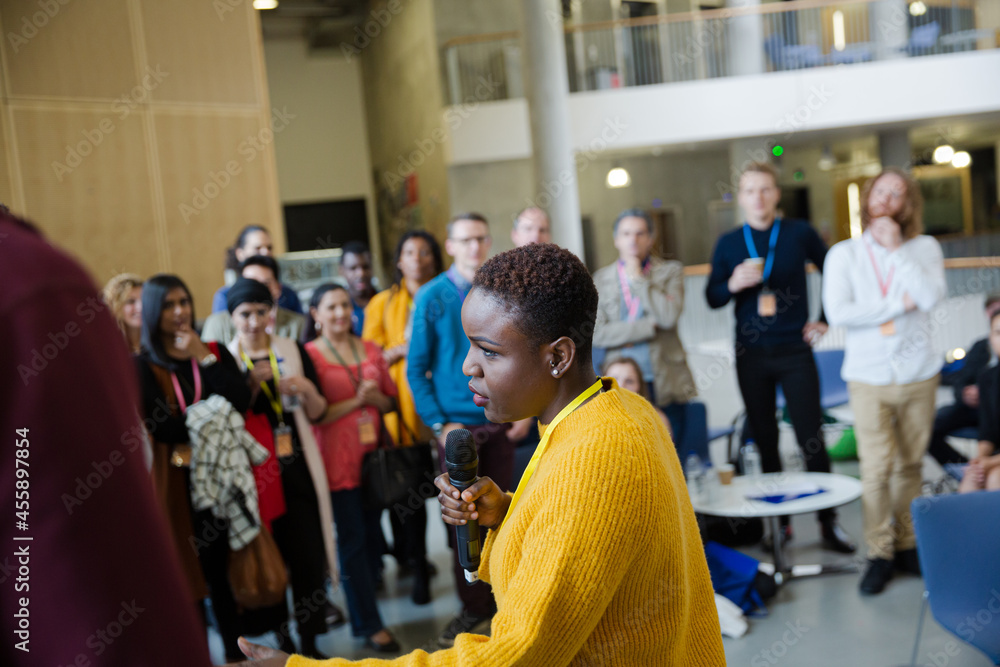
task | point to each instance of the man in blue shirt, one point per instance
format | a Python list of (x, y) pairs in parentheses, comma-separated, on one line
[(356, 270), (438, 347), (761, 265)]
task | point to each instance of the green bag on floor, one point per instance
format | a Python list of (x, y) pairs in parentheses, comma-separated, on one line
[(846, 448)]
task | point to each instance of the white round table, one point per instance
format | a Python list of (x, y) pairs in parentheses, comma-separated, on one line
[(738, 501)]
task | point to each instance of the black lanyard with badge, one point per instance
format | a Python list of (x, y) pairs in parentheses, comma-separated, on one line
[(366, 425), (282, 432)]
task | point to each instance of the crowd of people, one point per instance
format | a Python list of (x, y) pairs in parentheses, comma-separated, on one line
[(318, 387)]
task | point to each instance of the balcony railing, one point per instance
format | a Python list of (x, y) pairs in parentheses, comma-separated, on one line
[(692, 46)]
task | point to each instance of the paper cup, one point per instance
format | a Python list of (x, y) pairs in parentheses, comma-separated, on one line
[(726, 472)]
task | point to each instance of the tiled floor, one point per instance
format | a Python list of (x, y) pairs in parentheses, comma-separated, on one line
[(812, 622)]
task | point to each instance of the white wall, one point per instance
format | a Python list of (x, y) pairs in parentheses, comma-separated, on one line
[(323, 152), (748, 106), (685, 182)]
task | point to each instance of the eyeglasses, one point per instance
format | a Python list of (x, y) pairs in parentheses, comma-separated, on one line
[(481, 240)]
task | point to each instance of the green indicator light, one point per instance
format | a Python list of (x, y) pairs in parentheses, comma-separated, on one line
[(798, 176), (777, 150)]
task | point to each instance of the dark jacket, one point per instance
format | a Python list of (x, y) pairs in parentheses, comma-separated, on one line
[(989, 406), (975, 361)]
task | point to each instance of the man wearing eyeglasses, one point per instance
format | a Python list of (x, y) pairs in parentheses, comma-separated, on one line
[(438, 348)]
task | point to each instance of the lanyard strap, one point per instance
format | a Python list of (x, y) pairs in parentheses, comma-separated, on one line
[(454, 277), (752, 249), (540, 450), (883, 286), (340, 360), (632, 303), (276, 372), (197, 387)]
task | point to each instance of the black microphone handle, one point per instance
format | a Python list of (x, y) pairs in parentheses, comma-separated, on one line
[(467, 539)]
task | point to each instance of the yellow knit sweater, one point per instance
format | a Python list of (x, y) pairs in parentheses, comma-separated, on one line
[(600, 562)]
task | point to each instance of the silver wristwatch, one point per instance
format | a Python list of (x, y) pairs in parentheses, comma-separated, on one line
[(208, 360), (438, 429)]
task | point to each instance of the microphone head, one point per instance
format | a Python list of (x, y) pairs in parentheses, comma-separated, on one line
[(460, 455)]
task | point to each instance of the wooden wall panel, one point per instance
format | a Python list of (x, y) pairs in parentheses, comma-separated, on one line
[(209, 53), (6, 185), (105, 178), (99, 207), (215, 181), (84, 50)]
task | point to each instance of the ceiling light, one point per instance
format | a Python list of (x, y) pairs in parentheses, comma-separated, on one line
[(854, 209), (265, 4), (826, 161), (943, 154), (918, 8), (618, 178), (961, 159), (839, 38)]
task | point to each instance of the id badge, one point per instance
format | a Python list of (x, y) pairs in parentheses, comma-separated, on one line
[(888, 328), (283, 441), (181, 458), (767, 304), (366, 429)]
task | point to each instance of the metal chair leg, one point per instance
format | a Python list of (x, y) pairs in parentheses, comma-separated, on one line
[(920, 628)]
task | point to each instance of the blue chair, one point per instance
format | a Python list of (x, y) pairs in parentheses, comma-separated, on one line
[(959, 548), (923, 38)]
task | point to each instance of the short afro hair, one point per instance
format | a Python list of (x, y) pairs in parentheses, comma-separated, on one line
[(549, 288)]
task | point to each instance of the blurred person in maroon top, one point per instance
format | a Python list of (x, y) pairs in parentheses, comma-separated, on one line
[(97, 583)]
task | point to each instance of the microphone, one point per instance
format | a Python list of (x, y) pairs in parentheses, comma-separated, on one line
[(462, 462)]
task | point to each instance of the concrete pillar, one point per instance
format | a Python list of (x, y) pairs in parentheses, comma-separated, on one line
[(997, 157), (894, 148), (890, 28), (548, 108), (746, 40)]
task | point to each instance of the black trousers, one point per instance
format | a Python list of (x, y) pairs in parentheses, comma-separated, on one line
[(760, 370), (299, 537), (212, 544), (409, 533), (950, 418)]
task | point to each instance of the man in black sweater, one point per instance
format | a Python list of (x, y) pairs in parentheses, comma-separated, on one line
[(762, 266), (964, 412)]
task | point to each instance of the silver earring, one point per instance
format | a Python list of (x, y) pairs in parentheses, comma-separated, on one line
[(318, 326)]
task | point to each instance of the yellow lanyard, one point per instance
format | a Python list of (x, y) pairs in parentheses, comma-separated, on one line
[(540, 450), (275, 402)]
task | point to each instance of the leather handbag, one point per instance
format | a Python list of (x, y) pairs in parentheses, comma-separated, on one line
[(257, 574), (392, 476)]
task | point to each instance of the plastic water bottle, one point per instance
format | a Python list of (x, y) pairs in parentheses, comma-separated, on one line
[(750, 456), (289, 402), (694, 471), (712, 486)]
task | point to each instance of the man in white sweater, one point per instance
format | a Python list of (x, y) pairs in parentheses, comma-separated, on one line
[(881, 287)]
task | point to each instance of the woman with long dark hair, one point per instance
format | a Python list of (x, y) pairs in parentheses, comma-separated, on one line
[(355, 380), (177, 370), (388, 323), (570, 589)]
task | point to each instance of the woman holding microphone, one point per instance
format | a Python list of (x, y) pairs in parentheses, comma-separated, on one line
[(575, 583)]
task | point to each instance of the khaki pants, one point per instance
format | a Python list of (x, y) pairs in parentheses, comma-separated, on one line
[(893, 425)]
